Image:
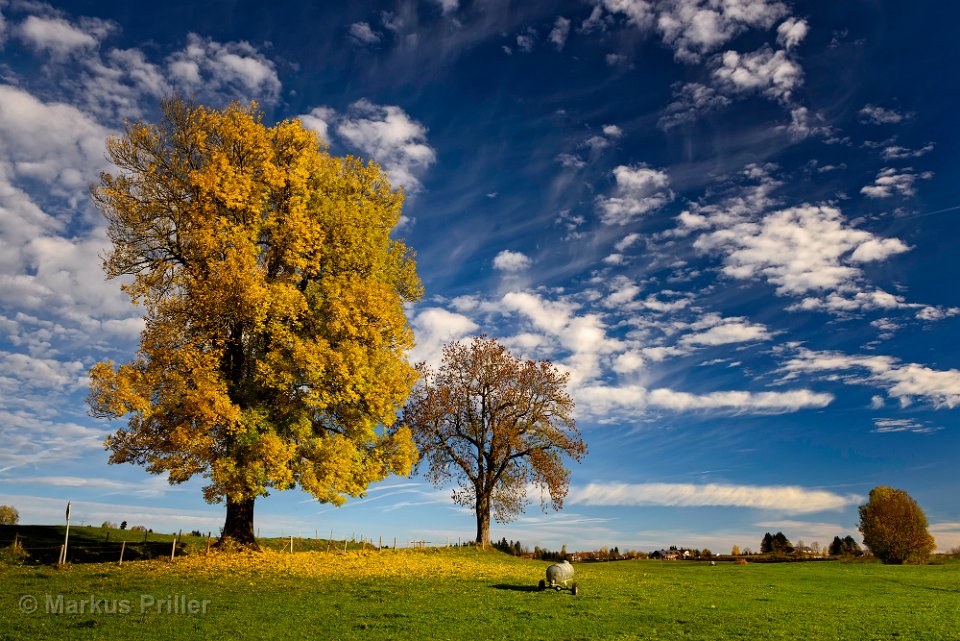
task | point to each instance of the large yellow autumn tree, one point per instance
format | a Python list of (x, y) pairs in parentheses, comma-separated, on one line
[(274, 353)]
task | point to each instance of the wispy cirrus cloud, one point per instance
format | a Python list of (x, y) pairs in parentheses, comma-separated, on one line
[(784, 499), (603, 399), (894, 425)]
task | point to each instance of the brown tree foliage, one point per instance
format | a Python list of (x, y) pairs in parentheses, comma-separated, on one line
[(494, 424), (274, 351), (895, 528)]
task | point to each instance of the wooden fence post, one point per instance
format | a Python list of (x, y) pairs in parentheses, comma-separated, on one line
[(123, 546)]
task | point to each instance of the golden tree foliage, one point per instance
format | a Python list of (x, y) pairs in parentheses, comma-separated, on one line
[(495, 424), (274, 352), (895, 528), (9, 515)]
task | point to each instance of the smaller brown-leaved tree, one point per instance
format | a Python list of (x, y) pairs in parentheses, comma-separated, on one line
[(493, 424), (895, 528)]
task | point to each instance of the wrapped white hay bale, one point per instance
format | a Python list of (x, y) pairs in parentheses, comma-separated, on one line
[(558, 575)]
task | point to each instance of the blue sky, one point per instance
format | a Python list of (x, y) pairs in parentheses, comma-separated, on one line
[(732, 221)]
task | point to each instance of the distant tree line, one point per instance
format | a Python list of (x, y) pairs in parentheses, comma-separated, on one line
[(846, 546)]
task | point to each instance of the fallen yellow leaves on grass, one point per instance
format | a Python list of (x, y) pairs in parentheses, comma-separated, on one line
[(365, 564)]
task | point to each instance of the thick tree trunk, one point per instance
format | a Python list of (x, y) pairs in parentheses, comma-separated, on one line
[(483, 521), (239, 524)]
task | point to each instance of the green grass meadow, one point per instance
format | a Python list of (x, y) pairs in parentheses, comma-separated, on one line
[(616, 600)]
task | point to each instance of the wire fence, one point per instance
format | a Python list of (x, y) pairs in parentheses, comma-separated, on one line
[(34, 545)]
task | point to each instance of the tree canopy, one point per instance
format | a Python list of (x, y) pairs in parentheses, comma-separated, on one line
[(775, 544), (846, 546), (275, 340), (894, 527), (494, 423), (9, 515)]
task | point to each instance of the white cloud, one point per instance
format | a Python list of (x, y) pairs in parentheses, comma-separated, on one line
[(878, 249), (639, 190), (447, 6), (690, 101), (905, 382), (433, 328), (602, 399), (570, 161), (896, 152), (874, 115), (392, 138), (894, 425), (804, 124), (614, 59), (584, 335), (799, 249), (791, 32), (694, 28), (639, 13), (614, 259), (628, 241), (892, 181), (596, 143), (697, 27), (713, 331), (526, 41), (36, 373), (237, 70), (777, 498), (558, 35), (319, 119), (511, 261), (871, 299), (55, 35), (765, 71), (361, 33), (612, 131), (947, 535), (52, 142), (30, 437), (629, 362)]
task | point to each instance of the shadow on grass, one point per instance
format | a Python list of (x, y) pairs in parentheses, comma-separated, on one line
[(516, 588)]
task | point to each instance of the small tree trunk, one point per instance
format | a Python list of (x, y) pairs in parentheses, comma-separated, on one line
[(483, 521), (239, 524)]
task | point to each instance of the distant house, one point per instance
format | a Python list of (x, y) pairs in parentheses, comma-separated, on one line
[(665, 555)]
